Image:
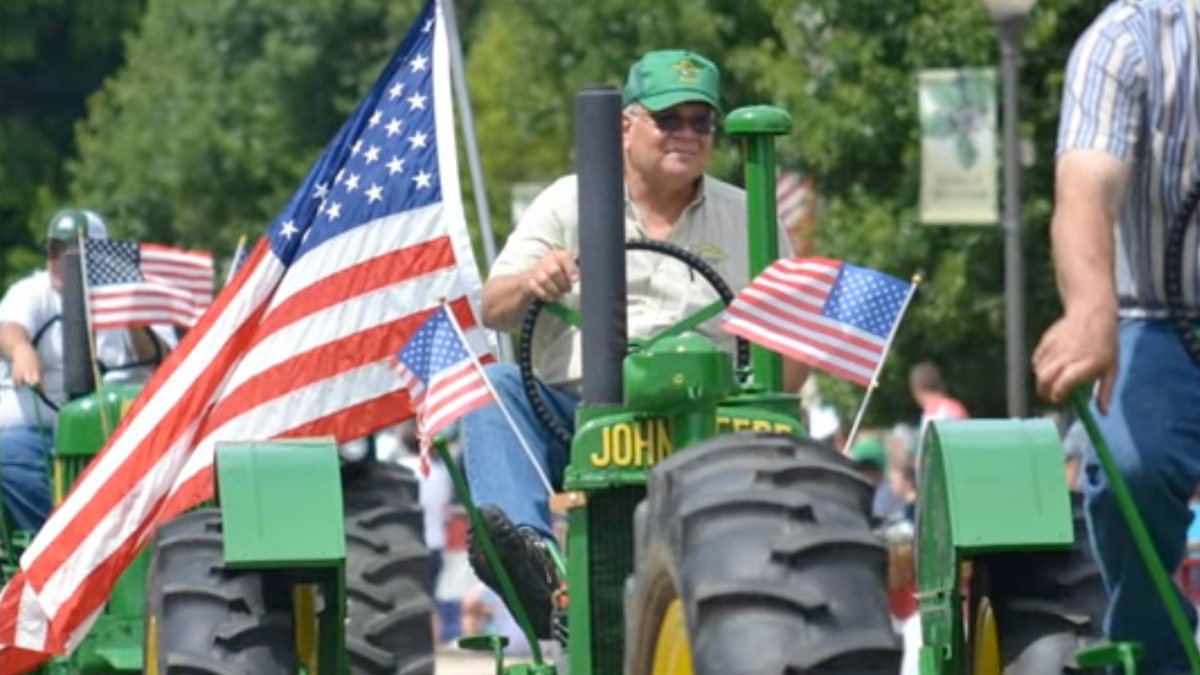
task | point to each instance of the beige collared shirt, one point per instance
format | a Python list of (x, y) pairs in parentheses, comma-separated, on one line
[(661, 290)]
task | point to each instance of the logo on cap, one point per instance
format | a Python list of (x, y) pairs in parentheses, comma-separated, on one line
[(687, 70)]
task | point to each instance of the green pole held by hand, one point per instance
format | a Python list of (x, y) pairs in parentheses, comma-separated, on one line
[(1137, 529)]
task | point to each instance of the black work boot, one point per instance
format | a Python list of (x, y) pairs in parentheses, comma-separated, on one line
[(523, 554)]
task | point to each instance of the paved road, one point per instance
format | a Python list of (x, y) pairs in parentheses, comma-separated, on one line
[(459, 663), (453, 662)]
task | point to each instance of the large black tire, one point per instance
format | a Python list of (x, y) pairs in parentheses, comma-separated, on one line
[(1048, 605), (766, 542), (203, 619), (388, 582)]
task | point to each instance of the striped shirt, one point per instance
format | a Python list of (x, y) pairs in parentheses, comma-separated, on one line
[(1132, 90)]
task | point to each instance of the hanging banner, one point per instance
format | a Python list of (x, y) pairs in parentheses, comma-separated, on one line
[(959, 162)]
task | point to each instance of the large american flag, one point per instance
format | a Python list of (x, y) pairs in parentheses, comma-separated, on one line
[(443, 377), (137, 284), (300, 344), (827, 313)]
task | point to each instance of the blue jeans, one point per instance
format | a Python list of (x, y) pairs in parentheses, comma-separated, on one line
[(24, 477), (1153, 430), (499, 470)]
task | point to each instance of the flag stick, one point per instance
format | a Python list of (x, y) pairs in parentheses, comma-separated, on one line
[(887, 347), (105, 424), (500, 403), (237, 253), (467, 119)]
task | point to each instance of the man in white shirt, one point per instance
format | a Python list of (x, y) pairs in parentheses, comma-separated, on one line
[(31, 370), (672, 104)]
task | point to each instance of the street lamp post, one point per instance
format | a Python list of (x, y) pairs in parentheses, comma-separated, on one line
[(1009, 16)]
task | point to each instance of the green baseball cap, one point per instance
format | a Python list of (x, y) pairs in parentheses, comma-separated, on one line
[(666, 78), (66, 225), (869, 451)]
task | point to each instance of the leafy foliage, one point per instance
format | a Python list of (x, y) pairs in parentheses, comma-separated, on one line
[(53, 54), (219, 108)]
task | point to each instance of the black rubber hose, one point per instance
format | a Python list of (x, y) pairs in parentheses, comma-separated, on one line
[(1183, 318)]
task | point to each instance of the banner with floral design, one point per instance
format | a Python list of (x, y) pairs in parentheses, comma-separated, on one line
[(959, 155)]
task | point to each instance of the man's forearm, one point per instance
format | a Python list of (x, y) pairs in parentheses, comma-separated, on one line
[(1089, 189), (146, 345), (12, 337), (1082, 238), (504, 301)]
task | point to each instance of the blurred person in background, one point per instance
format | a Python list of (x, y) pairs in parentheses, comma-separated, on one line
[(32, 368), (928, 390), (436, 491), (869, 454), (484, 613)]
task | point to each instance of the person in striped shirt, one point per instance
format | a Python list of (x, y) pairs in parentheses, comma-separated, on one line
[(1126, 156)]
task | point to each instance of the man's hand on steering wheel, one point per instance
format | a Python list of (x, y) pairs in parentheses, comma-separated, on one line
[(552, 277), (26, 366), (559, 267)]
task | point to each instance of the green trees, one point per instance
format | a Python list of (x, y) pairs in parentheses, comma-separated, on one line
[(53, 53), (220, 107)]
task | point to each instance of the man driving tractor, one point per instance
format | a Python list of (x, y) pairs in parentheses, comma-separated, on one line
[(1126, 159), (31, 369), (672, 109)]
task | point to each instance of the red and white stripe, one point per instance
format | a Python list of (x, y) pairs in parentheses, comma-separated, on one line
[(792, 196), (282, 353), (782, 310), (178, 289)]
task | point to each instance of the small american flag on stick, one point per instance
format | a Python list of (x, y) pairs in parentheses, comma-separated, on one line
[(443, 377), (137, 284), (828, 313)]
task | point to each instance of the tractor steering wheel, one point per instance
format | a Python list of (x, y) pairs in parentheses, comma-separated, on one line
[(1177, 238), (525, 352)]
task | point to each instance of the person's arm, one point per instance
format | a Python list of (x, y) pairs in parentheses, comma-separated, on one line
[(475, 613), (541, 230), (13, 339), (17, 321), (1098, 136), (504, 301), (147, 346)]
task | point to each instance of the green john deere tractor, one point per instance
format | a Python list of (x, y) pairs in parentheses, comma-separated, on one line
[(707, 534), (311, 560)]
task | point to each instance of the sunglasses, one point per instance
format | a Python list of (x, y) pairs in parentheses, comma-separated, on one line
[(673, 122), (55, 249)]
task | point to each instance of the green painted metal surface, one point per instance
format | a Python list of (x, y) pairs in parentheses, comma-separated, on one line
[(1006, 484), (114, 645), (281, 513), (81, 422), (614, 447), (281, 503), (986, 486), (759, 120), (678, 374), (579, 573), (758, 126), (762, 411)]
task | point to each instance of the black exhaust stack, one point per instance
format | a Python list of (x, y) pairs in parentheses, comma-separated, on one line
[(600, 169), (77, 365)]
